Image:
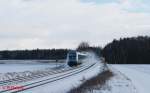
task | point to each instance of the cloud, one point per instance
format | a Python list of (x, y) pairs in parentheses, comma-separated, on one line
[(136, 6), (27, 24), (99, 1), (127, 5)]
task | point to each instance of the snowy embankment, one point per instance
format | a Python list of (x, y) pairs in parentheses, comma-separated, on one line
[(138, 74)]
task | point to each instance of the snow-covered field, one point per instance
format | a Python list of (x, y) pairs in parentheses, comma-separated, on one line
[(127, 79), (4, 68), (10, 69), (24, 65), (138, 74)]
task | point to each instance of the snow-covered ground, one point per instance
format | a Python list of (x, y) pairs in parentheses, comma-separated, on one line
[(17, 68), (119, 83), (4, 68), (25, 65), (138, 74), (64, 85), (127, 79), (28, 61)]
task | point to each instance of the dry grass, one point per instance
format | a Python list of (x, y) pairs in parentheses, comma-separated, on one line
[(94, 83)]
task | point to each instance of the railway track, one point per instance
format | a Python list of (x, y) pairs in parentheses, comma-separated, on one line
[(62, 75), (28, 78)]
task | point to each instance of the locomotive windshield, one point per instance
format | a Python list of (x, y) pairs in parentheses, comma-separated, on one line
[(72, 56)]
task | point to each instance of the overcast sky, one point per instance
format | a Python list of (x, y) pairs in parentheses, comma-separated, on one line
[(31, 24)]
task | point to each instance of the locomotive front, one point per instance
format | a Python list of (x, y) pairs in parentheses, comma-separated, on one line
[(72, 59)]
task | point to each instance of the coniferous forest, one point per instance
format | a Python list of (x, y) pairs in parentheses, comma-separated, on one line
[(135, 50), (42, 54), (37, 54), (45, 54)]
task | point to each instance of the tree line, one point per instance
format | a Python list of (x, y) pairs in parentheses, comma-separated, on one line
[(41, 54), (45, 54), (135, 50)]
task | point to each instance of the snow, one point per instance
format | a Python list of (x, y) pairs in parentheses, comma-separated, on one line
[(127, 79), (64, 85), (28, 61), (4, 68), (11, 69), (119, 83), (25, 65), (139, 75)]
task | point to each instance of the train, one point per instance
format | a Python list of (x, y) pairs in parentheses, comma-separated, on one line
[(75, 58)]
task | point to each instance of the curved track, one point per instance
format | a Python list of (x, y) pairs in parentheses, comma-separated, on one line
[(63, 74)]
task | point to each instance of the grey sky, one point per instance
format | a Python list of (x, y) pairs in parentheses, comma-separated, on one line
[(28, 24)]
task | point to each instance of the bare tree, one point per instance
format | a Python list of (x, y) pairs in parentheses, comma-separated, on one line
[(83, 46)]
